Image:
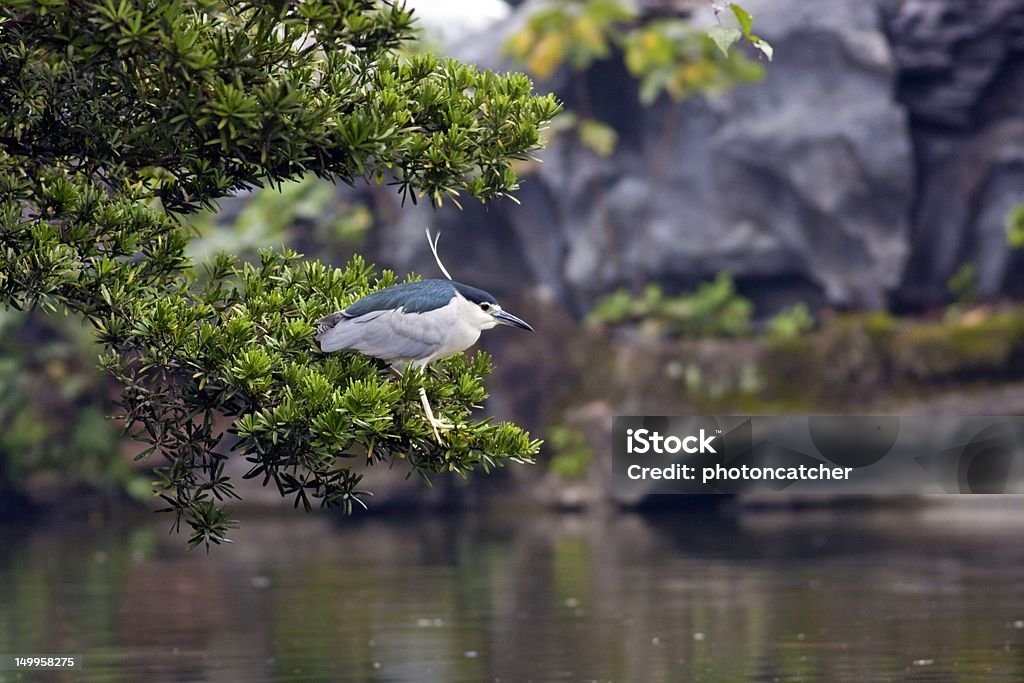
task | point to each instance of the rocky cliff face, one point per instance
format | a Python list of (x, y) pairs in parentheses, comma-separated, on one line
[(960, 72), (880, 153)]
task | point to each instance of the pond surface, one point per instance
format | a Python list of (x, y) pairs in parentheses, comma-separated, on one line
[(849, 595)]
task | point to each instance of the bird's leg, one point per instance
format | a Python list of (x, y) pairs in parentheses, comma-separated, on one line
[(435, 423)]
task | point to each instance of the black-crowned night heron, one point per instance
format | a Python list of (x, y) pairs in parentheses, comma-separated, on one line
[(414, 323)]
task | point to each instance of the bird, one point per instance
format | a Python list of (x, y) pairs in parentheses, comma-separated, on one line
[(413, 324)]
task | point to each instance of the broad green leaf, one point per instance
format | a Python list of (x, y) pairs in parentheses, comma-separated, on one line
[(724, 37)]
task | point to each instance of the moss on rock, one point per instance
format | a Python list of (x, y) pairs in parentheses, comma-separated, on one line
[(980, 348)]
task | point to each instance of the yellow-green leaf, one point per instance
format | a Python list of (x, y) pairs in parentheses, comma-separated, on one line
[(743, 17), (1015, 227), (598, 136)]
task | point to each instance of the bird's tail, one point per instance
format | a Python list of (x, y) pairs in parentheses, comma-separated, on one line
[(327, 324)]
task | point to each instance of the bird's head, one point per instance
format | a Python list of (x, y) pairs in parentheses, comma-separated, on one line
[(482, 310)]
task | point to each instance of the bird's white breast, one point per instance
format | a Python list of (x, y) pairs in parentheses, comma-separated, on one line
[(466, 322)]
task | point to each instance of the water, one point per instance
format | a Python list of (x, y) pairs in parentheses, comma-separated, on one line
[(847, 595)]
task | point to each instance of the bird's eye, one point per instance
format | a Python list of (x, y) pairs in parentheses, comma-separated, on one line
[(485, 306)]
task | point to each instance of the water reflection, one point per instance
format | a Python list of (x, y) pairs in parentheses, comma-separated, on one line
[(909, 594)]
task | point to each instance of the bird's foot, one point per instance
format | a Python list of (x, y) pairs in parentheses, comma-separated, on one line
[(442, 425), (436, 424)]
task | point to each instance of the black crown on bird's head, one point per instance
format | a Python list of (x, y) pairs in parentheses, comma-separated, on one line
[(474, 295)]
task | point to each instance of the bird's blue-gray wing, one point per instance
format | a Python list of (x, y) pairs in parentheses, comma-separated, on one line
[(389, 335)]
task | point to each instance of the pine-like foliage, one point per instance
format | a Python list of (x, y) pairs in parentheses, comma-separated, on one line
[(120, 117)]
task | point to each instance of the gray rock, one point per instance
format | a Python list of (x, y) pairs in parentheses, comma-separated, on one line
[(961, 68), (953, 54), (805, 177), (880, 153)]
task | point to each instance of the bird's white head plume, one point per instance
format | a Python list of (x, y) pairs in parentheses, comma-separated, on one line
[(432, 241)]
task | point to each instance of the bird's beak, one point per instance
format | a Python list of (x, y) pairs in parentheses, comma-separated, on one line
[(509, 319)]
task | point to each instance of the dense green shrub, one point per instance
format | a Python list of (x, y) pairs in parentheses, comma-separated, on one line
[(118, 118)]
